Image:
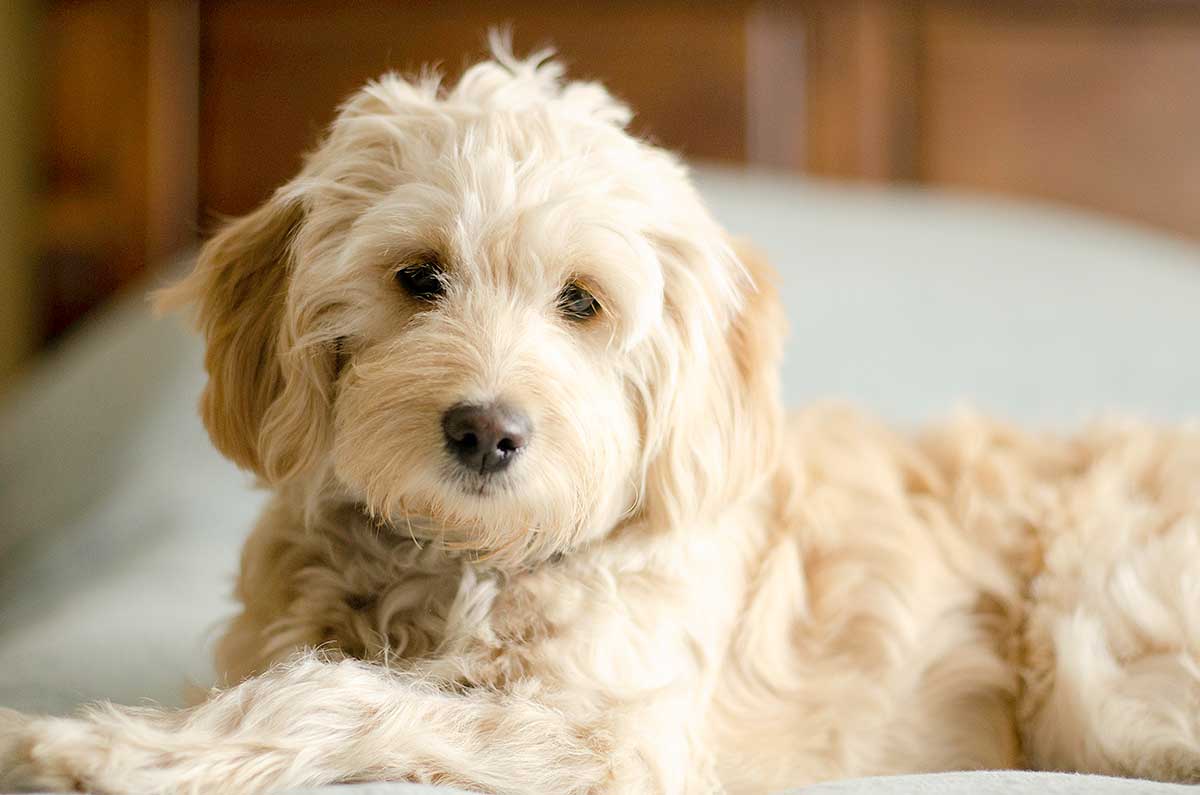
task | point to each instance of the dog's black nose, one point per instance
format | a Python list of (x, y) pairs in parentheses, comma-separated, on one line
[(485, 438)]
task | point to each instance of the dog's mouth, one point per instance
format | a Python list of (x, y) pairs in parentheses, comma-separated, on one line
[(480, 485), (461, 508), (455, 540)]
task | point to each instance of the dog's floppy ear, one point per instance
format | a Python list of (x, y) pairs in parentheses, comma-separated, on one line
[(266, 398), (714, 423)]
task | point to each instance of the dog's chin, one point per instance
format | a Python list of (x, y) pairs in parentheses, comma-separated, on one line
[(481, 518), (466, 512), (473, 486)]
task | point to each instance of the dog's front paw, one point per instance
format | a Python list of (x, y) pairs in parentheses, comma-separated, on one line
[(16, 740), (24, 766)]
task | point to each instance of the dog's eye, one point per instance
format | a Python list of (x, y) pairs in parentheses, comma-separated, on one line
[(576, 302), (423, 282)]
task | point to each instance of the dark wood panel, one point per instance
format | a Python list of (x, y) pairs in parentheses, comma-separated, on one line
[(93, 165), (861, 65), (272, 72), (117, 182), (1094, 106)]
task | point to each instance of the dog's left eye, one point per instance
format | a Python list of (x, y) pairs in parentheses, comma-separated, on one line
[(423, 282), (576, 302)]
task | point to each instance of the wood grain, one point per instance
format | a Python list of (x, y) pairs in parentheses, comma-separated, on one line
[(1098, 107), (861, 78)]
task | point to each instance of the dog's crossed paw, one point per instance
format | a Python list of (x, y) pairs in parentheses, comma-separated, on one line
[(22, 768), (14, 751)]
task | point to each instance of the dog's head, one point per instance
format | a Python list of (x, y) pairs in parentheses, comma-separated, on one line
[(490, 314)]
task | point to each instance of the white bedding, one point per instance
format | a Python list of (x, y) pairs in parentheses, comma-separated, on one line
[(120, 527)]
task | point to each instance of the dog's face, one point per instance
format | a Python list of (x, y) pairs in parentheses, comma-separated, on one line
[(491, 315)]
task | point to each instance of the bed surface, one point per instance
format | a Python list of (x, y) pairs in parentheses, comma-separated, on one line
[(120, 526)]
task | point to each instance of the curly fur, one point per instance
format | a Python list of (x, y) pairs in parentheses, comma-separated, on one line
[(675, 589)]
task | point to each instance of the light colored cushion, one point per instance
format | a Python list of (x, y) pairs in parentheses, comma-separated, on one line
[(120, 527), (377, 789), (972, 783), (1001, 782), (913, 302)]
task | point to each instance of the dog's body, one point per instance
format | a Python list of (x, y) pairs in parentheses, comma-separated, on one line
[(545, 489)]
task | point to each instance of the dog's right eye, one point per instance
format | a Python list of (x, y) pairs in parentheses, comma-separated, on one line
[(423, 282)]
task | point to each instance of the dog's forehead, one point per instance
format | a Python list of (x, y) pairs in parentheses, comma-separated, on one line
[(529, 157), (502, 184), (489, 167)]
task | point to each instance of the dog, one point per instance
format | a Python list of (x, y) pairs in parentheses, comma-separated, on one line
[(540, 523)]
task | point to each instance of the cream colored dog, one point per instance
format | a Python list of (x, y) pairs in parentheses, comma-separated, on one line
[(540, 526)]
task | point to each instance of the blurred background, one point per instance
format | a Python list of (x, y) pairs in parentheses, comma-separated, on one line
[(128, 126)]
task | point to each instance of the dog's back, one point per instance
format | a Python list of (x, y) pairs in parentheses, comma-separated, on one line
[(972, 596)]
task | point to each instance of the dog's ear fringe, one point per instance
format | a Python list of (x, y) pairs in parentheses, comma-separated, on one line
[(257, 405), (723, 438)]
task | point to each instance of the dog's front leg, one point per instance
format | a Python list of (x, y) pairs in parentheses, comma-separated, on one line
[(317, 722)]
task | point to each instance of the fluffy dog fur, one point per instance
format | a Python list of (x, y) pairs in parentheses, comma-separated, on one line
[(673, 589)]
